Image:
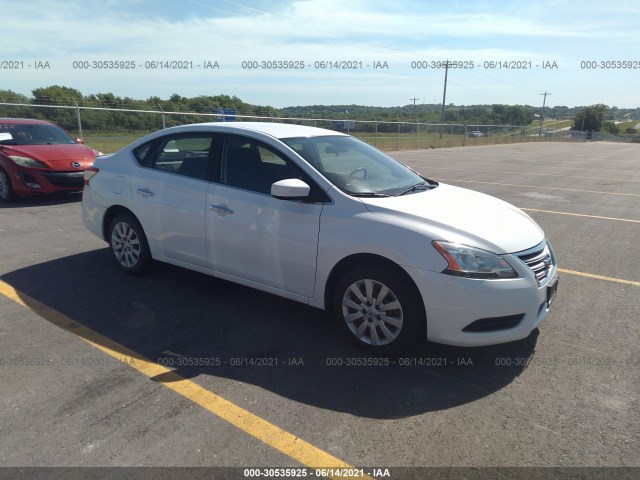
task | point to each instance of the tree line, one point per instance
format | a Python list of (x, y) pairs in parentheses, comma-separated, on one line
[(593, 118)]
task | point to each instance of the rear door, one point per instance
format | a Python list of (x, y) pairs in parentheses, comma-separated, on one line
[(170, 195)]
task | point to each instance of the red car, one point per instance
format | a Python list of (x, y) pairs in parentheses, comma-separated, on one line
[(38, 157)]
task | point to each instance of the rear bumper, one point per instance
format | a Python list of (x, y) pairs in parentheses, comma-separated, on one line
[(92, 214)]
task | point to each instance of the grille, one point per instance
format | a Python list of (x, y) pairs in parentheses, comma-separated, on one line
[(65, 179), (540, 261)]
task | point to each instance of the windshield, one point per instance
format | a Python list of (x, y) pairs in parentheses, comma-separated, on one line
[(354, 166), (38, 134)]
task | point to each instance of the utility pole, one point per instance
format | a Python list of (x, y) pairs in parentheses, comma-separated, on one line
[(544, 102), (414, 106), (415, 114), (444, 94)]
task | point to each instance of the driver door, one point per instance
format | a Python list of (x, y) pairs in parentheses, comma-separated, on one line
[(254, 236)]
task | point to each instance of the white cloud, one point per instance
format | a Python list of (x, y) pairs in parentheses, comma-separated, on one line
[(308, 30)]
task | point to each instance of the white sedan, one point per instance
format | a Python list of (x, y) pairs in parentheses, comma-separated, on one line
[(322, 218)]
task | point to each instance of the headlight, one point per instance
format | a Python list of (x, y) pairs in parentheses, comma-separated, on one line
[(471, 262), (27, 162)]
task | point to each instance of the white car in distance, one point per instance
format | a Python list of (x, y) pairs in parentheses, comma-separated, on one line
[(325, 219)]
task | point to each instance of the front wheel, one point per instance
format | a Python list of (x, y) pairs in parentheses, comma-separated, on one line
[(6, 189), (378, 311), (128, 244)]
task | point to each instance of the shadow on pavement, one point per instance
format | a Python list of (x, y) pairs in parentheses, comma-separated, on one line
[(43, 200), (292, 350)]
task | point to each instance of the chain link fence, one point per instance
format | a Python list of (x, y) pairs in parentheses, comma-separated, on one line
[(109, 129)]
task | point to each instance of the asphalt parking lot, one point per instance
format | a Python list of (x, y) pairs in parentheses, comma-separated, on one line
[(102, 369)]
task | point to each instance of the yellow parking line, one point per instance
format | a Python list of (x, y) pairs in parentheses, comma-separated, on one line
[(580, 215), (255, 426), (534, 186), (600, 277)]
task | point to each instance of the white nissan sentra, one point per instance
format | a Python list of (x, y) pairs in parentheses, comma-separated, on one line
[(325, 219)]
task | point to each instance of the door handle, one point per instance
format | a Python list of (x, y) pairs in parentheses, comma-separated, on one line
[(221, 209), (145, 192)]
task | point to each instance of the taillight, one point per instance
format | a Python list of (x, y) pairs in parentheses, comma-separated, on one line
[(89, 174)]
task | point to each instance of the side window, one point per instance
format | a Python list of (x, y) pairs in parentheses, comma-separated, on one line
[(251, 165), (142, 154), (187, 155)]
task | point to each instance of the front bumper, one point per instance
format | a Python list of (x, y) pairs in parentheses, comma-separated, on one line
[(30, 181), (475, 312)]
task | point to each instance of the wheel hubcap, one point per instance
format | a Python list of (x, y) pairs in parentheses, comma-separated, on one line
[(125, 244), (372, 312)]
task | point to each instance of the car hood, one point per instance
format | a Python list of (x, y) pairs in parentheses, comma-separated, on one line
[(58, 157), (459, 215)]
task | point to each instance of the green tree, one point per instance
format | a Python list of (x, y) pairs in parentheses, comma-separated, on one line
[(610, 127), (590, 119), (10, 96), (452, 116), (517, 115), (56, 95)]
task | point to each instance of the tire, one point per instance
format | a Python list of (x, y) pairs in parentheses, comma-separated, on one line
[(128, 243), (6, 189), (379, 310)]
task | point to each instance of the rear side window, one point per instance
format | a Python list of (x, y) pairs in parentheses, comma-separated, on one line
[(141, 153), (188, 155)]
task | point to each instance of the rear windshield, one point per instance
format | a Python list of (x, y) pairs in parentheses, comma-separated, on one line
[(41, 134)]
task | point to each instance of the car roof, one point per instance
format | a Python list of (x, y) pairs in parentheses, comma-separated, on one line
[(24, 121), (274, 129)]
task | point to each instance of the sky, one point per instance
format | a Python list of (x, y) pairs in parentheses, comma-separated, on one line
[(581, 53)]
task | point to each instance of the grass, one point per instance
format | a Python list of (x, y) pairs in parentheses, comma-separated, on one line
[(110, 144), (384, 141), (624, 125), (556, 124)]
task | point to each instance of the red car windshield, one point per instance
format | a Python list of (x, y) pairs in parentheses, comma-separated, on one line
[(35, 134)]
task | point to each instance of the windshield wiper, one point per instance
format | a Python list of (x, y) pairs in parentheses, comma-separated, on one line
[(368, 194), (415, 187)]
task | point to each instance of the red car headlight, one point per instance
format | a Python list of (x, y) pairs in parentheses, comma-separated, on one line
[(27, 162)]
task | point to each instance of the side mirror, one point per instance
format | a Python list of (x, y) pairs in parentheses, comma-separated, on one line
[(80, 140), (290, 188)]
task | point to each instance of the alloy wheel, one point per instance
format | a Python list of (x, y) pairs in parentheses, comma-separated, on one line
[(125, 244), (372, 312)]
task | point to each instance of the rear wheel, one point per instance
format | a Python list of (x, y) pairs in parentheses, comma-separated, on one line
[(378, 310), (6, 189), (128, 244)]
